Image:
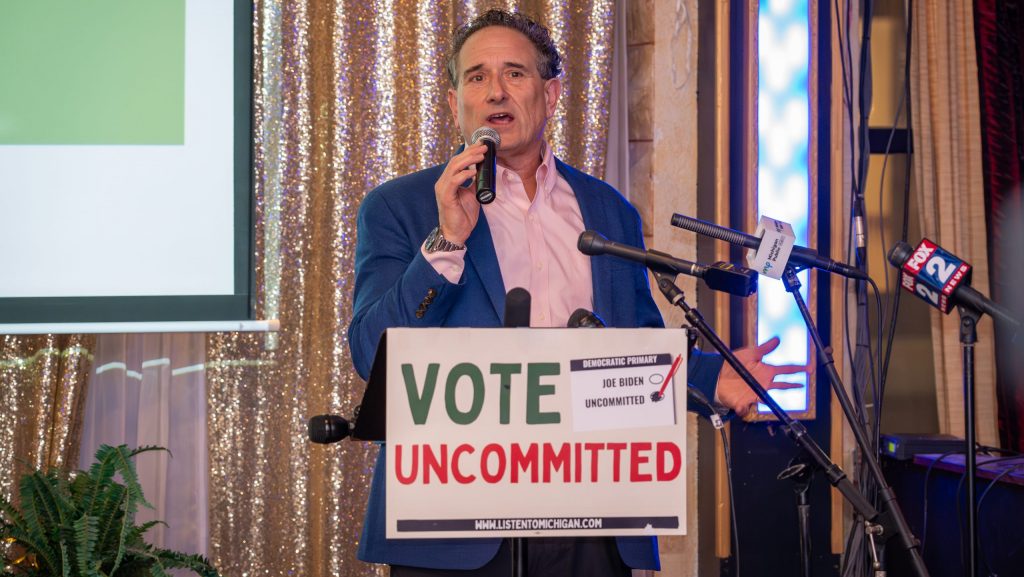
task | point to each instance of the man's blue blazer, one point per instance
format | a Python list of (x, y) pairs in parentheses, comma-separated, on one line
[(393, 282)]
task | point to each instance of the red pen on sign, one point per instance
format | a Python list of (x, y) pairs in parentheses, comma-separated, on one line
[(668, 379)]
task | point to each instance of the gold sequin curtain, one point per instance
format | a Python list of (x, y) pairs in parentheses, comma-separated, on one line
[(42, 395), (347, 95)]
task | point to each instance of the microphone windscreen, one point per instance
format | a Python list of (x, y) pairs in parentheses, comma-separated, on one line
[(486, 133), (582, 318), (899, 254), (517, 308), (590, 243), (325, 429)]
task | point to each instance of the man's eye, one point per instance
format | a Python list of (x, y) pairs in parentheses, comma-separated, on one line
[(515, 74), (476, 78)]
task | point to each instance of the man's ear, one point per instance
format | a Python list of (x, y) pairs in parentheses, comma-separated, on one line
[(453, 104), (552, 92)]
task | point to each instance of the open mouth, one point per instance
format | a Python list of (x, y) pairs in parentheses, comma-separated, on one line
[(500, 118)]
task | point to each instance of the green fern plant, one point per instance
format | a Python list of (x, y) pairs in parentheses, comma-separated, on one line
[(84, 525)]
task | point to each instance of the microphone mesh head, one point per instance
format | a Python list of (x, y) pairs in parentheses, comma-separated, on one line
[(899, 254), (517, 308), (590, 243), (486, 133), (582, 318)]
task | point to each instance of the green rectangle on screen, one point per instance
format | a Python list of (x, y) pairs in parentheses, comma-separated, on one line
[(92, 71)]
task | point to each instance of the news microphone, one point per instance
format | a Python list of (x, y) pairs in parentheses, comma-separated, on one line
[(326, 429), (942, 280), (720, 276), (517, 308), (486, 170), (582, 318), (799, 255)]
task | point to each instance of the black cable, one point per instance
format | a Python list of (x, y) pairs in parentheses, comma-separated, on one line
[(910, 117), (865, 89), (924, 506), (865, 356), (862, 358), (989, 450), (981, 499), (732, 500), (904, 100), (877, 391), (959, 487), (959, 512), (844, 53), (851, 543), (853, 562)]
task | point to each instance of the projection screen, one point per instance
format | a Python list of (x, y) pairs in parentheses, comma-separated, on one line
[(125, 161)]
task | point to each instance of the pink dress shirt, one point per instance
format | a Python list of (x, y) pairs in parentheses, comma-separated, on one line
[(535, 243)]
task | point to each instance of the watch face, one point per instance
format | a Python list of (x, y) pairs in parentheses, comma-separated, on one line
[(435, 240)]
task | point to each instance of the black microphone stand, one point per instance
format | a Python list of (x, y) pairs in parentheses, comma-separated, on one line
[(895, 515), (519, 556), (968, 337), (795, 430), (800, 472)]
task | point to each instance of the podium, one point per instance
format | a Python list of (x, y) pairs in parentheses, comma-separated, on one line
[(530, 432)]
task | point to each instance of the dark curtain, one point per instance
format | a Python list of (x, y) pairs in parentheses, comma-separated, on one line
[(999, 25)]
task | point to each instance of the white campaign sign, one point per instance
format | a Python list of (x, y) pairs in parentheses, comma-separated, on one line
[(530, 432)]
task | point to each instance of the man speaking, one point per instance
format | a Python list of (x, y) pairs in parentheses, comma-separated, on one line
[(428, 254)]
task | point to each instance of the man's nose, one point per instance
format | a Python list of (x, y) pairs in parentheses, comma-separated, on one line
[(496, 90)]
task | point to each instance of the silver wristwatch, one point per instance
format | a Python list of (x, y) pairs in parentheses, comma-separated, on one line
[(436, 242)]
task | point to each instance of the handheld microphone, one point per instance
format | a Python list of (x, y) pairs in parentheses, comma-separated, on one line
[(326, 429), (941, 279), (486, 170), (517, 308), (582, 318), (800, 255), (720, 276)]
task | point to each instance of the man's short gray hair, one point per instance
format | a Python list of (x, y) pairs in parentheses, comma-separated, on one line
[(549, 62)]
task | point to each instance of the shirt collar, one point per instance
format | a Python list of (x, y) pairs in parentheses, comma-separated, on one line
[(547, 172)]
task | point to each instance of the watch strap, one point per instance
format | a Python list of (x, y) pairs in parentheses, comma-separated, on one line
[(436, 242)]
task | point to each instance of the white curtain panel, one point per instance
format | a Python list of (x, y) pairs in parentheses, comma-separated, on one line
[(150, 389)]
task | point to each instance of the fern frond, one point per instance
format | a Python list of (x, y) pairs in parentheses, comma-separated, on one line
[(165, 559), (88, 487), (28, 533), (8, 511), (122, 459), (105, 466), (135, 567), (38, 503), (108, 510), (127, 521), (39, 546), (149, 448), (135, 533), (86, 535), (65, 562)]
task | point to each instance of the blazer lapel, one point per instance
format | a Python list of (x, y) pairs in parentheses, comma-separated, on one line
[(594, 218), (484, 261)]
